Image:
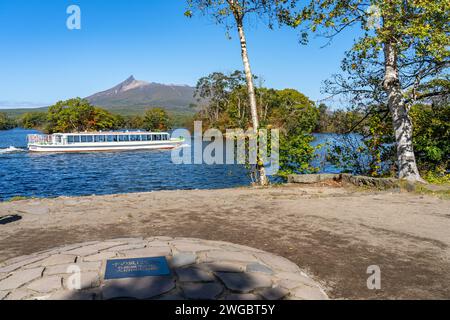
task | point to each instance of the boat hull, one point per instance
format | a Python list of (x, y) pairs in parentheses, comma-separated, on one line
[(166, 145)]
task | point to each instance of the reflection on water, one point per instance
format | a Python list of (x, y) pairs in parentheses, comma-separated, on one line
[(60, 174)]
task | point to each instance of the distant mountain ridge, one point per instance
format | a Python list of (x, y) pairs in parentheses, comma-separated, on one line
[(138, 94), (132, 97)]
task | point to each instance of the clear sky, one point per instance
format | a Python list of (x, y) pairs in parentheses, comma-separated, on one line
[(41, 61)]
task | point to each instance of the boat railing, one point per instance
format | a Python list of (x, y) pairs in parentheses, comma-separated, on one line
[(43, 139)]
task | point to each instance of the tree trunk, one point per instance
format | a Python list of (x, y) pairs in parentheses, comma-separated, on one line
[(262, 179), (403, 127)]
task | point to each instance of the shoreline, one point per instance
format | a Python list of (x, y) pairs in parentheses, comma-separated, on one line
[(332, 232)]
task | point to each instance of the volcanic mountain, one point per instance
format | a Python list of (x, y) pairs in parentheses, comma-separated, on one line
[(135, 95)]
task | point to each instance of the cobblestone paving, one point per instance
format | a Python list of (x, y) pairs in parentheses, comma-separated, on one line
[(200, 270)]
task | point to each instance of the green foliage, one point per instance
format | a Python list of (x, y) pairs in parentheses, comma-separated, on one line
[(224, 100), (129, 122), (369, 152), (18, 198), (33, 120), (6, 123), (288, 110), (296, 154), (436, 177), (156, 119), (230, 12), (126, 118), (432, 137), (293, 112), (418, 28), (372, 152), (339, 121), (403, 52), (77, 115)]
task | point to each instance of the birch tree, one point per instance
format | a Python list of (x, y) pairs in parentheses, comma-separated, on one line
[(233, 14), (404, 45)]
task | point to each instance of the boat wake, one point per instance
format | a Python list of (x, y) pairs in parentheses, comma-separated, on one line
[(11, 150), (182, 146)]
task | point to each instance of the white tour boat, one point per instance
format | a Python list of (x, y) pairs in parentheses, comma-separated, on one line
[(102, 141)]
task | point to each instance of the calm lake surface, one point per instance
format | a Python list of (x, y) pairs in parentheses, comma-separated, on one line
[(77, 174)]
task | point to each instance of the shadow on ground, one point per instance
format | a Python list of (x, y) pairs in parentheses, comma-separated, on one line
[(204, 283), (9, 219)]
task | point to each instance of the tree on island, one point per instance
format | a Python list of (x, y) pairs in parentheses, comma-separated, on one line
[(400, 60), (33, 120), (5, 122), (232, 13), (288, 110), (78, 115), (156, 119)]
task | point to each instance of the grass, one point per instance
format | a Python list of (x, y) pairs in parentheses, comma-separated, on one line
[(437, 178), (442, 193), (19, 198)]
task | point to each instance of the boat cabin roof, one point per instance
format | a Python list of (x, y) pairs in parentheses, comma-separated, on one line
[(110, 133)]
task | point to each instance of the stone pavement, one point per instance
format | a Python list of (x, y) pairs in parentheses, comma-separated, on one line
[(200, 270)]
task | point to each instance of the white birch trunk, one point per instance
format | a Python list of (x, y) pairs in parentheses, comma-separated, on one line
[(262, 179), (403, 127)]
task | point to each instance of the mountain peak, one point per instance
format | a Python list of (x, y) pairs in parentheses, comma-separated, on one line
[(130, 79), (132, 92), (130, 84)]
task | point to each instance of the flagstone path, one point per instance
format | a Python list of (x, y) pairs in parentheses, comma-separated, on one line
[(200, 270)]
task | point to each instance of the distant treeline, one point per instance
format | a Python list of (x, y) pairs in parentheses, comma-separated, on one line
[(78, 115), (7, 123)]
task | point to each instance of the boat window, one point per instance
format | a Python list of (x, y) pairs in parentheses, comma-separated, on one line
[(110, 138), (124, 138), (149, 137), (99, 138), (157, 137), (70, 139), (135, 138), (89, 138), (144, 138), (165, 137), (83, 139), (76, 139)]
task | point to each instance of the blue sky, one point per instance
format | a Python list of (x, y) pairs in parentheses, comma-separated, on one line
[(41, 61)]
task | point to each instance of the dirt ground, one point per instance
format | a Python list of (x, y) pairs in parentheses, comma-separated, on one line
[(333, 233)]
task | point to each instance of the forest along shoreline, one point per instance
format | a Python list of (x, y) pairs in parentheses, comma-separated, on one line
[(334, 233)]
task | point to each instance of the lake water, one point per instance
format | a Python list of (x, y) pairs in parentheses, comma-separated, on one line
[(77, 174)]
